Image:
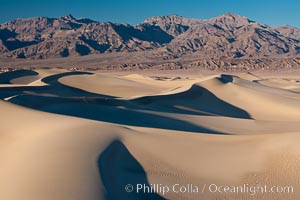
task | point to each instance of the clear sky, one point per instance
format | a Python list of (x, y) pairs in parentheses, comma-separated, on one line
[(271, 12)]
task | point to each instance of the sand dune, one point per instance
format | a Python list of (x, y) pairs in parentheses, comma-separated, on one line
[(260, 103), (122, 87), (85, 136)]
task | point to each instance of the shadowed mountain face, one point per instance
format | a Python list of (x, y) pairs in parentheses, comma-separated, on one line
[(226, 36)]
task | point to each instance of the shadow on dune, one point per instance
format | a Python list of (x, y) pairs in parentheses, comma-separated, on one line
[(118, 168), (60, 99), (19, 90), (53, 79), (151, 111), (226, 78), (54, 87), (197, 100), (7, 77), (59, 89), (108, 111)]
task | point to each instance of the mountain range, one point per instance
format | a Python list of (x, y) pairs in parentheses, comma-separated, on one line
[(228, 36)]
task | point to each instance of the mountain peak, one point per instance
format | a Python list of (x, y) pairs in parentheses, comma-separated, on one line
[(174, 18), (233, 17), (68, 17), (286, 26), (230, 21)]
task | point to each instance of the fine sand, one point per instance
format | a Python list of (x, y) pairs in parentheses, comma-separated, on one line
[(85, 136)]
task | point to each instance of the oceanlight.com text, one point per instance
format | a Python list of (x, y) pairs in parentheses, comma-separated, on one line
[(246, 189)]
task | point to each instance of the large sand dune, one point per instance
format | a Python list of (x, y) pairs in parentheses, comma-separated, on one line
[(85, 136)]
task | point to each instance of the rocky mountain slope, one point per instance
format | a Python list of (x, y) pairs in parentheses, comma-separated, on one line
[(228, 36)]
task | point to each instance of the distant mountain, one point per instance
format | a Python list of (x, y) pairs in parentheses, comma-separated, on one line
[(228, 36)]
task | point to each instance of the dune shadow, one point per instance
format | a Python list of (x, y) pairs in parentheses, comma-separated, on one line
[(53, 79), (59, 89), (108, 111), (53, 87), (7, 77), (150, 111), (19, 90), (118, 168), (226, 78), (197, 100)]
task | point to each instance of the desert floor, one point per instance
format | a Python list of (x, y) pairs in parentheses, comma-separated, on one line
[(85, 136)]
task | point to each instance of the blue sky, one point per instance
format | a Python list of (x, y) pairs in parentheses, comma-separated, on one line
[(271, 12)]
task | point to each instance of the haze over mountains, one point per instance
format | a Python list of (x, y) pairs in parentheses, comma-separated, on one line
[(171, 37)]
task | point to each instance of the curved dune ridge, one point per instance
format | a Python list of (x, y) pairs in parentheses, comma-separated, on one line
[(85, 136)]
